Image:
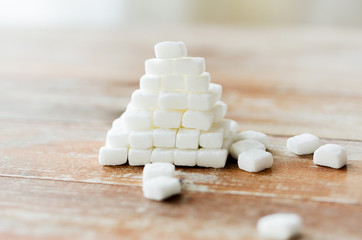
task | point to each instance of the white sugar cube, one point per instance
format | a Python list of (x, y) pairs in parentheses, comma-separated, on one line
[(201, 101), (187, 138), (139, 157), (162, 155), (173, 100), (227, 142), (305, 143), (150, 82), (164, 137), (197, 119), (112, 156), (216, 89), (330, 155), (219, 110), (185, 157), (117, 138), (251, 134), (141, 139), (215, 158), (138, 120), (144, 99), (169, 49), (212, 138), (160, 188), (198, 83), (167, 118), (245, 145), (189, 65), (227, 125), (255, 160), (119, 123), (280, 226), (156, 66), (172, 82), (158, 169)]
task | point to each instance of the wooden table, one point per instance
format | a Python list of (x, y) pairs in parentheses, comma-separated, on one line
[(61, 89)]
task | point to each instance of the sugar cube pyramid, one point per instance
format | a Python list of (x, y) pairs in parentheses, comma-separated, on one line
[(176, 116)]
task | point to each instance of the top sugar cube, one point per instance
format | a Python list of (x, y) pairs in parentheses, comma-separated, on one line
[(164, 50)]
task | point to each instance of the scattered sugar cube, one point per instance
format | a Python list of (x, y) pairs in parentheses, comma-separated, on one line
[(227, 142), (305, 143), (255, 160), (198, 83), (158, 169), (160, 188), (201, 101), (189, 65), (172, 82), (163, 155), (141, 139), (139, 157), (144, 99), (330, 155), (169, 49), (197, 119), (185, 157), (280, 226), (164, 137), (150, 83), (173, 100), (156, 66), (245, 145), (112, 156), (187, 138), (212, 138), (216, 89), (251, 134), (219, 110), (167, 118), (137, 120), (215, 158)]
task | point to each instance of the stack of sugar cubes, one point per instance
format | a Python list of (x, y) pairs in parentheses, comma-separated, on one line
[(176, 116)]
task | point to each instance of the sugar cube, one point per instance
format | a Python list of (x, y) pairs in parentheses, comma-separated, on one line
[(185, 157), (119, 123), (163, 155), (169, 49), (245, 145), (305, 143), (158, 169), (219, 110), (187, 138), (160, 188), (112, 156), (150, 82), (139, 157), (164, 137), (251, 134), (198, 83), (330, 155), (216, 89), (227, 142), (201, 101), (226, 124), (117, 138), (280, 226), (167, 118), (212, 138), (141, 139), (173, 100), (197, 119), (215, 158), (156, 66), (189, 65), (144, 99), (255, 160), (138, 120), (172, 82)]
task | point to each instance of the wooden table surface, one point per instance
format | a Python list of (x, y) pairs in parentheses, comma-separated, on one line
[(61, 89)]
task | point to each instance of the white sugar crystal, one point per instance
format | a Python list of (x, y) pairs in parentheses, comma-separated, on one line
[(215, 158), (330, 155), (138, 120), (141, 139), (169, 49), (164, 137), (156, 66), (173, 100), (167, 118), (189, 65), (201, 101), (139, 157), (187, 138), (185, 157), (216, 89), (117, 138), (219, 110), (158, 169), (173, 82), (245, 145), (112, 156), (251, 134), (280, 226), (160, 188), (198, 83), (150, 82), (305, 143), (197, 119), (255, 160), (144, 99), (163, 155), (227, 142), (212, 138)]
